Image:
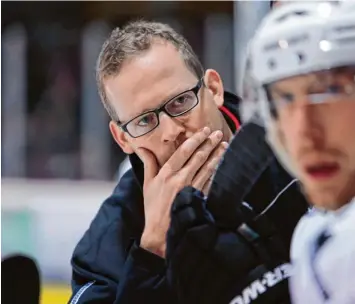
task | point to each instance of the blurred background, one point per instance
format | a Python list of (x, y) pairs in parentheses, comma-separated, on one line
[(58, 160)]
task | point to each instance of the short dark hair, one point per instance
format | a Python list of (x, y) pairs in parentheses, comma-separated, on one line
[(133, 39)]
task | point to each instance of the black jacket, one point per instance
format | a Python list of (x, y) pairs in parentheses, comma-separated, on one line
[(108, 264)]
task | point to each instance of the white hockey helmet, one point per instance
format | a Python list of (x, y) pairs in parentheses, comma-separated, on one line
[(295, 39)]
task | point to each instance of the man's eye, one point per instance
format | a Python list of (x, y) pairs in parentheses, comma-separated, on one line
[(146, 120), (285, 98), (181, 100), (335, 88)]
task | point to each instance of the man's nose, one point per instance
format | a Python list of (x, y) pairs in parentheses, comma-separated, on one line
[(171, 128), (310, 125)]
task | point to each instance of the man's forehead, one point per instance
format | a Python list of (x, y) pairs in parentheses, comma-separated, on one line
[(144, 85)]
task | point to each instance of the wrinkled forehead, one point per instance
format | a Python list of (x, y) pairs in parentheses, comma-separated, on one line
[(341, 76)]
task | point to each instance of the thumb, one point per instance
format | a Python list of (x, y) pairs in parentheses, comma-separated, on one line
[(150, 163)]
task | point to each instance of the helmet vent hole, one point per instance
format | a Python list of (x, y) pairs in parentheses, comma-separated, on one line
[(301, 57), (271, 64)]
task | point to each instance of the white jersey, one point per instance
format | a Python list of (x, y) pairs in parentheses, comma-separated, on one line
[(323, 257)]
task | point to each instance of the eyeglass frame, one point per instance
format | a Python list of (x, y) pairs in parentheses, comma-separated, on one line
[(157, 111)]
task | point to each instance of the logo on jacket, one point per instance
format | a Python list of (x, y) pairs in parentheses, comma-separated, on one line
[(261, 285)]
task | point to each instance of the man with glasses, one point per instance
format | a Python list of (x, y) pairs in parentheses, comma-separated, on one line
[(175, 121)]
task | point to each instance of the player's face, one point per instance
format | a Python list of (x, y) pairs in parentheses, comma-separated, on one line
[(316, 119)]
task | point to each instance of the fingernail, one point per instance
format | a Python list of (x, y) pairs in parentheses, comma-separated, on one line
[(206, 130), (218, 134), (225, 144)]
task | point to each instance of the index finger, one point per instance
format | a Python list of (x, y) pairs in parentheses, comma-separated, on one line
[(188, 147)]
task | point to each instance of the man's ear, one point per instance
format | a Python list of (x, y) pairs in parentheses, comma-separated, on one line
[(120, 138), (213, 82)]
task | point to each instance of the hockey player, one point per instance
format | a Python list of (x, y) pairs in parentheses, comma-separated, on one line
[(300, 83)]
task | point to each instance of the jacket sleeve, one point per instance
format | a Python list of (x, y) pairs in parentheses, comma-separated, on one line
[(108, 266)]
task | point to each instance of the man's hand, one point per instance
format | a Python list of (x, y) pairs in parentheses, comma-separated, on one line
[(193, 164), (203, 179)]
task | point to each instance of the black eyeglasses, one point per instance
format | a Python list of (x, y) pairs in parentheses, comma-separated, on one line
[(148, 121)]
